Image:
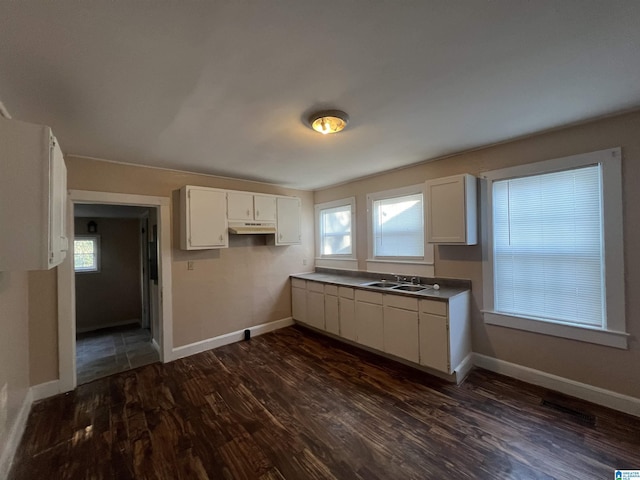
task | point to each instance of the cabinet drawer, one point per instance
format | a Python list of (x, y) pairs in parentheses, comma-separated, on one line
[(331, 290), (398, 301), (345, 292), (315, 287), (432, 306), (369, 297), (296, 282)]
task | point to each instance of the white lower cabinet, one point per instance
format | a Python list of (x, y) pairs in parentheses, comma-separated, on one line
[(331, 310), (299, 300), (401, 327), (432, 333), (445, 336), (315, 305), (369, 319), (347, 310)]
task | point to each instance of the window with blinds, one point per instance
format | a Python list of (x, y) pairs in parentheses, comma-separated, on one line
[(398, 226), (548, 246), (335, 230)]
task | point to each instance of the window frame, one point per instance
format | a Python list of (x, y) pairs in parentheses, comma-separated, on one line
[(613, 331), (400, 264), (335, 260), (96, 240)]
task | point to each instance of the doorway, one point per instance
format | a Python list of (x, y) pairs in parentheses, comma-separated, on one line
[(113, 253), (154, 300)]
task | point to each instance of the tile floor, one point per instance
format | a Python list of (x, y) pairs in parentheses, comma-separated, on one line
[(111, 350)]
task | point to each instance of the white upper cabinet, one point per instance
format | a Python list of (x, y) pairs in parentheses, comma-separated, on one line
[(265, 208), (203, 218), (239, 206), (288, 221), (452, 210), (249, 207), (33, 198)]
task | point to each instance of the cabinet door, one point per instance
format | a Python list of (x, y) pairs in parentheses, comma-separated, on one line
[(299, 304), (452, 210), (434, 342), (331, 314), (239, 206), (401, 333), (207, 225), (58, 242), (288, 221), (315, 309), (264, 208), (369, 325), (347, 318)]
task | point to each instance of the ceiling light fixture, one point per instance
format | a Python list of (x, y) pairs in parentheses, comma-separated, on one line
[(328, 121)]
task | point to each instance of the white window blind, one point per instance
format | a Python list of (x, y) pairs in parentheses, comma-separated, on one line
[(398, 226), (548, 247), (335, 230)]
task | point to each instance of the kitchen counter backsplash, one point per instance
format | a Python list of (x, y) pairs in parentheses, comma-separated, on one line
[(449, 287)]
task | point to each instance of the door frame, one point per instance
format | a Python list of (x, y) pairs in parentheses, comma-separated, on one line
[(66, 280)]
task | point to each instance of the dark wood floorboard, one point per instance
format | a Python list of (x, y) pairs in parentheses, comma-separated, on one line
[(295, 405)]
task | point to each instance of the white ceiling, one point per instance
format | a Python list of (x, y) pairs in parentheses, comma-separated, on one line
[(224, 87)]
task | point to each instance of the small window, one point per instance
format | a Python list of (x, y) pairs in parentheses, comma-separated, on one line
[(334, 223), (86, 253), (397, 224)]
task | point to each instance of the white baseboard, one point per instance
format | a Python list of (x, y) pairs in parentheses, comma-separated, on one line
[(226, 339), (464, 368), (597, 395), (45, 390), (15, 435)]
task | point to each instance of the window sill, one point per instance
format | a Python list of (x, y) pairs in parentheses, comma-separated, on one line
[(609, 338), (419, 268), (338, 263)]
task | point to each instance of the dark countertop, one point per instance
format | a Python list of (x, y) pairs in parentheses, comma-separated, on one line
[(356, 279)]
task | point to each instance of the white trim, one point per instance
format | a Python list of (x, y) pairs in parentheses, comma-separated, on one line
[(337, 263), (597, 395), (609, 338), (228, 338), (66, 280), (45, 390), (462, 370), (421, 269), (15, 435), (611, 170)]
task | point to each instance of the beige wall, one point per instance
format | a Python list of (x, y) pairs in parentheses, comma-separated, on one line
[(43, 326), (14, 350), (605, 367), (229, 289), (111, 296)]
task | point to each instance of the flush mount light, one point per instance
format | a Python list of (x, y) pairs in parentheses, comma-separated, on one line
[(328, 121)]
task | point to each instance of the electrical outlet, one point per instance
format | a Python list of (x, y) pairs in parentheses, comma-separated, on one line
[(190, 265)]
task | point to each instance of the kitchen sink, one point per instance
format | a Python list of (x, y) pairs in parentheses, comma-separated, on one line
[(411, 288), (381, 284)]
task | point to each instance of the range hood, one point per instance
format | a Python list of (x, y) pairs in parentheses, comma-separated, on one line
[(251, 228)]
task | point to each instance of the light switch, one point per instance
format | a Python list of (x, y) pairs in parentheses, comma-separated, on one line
[(190, 265)]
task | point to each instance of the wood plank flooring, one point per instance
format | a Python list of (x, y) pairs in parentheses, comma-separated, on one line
[(295, 405)]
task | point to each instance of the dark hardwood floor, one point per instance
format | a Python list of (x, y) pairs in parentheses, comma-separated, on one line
[(294, 405)]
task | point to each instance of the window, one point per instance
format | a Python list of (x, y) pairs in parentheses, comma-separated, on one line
[(335, 232), (397, 224), (548, 248), (86, 253)]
